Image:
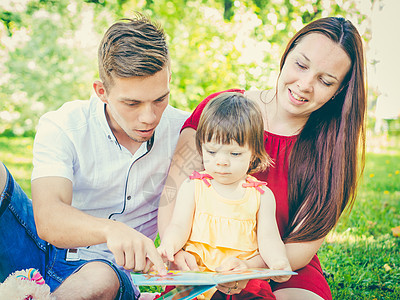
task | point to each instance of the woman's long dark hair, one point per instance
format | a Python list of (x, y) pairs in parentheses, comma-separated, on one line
[(324, 164)]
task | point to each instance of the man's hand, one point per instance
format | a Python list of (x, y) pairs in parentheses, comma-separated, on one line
[(132, 250), (184, 261), (232, 264)]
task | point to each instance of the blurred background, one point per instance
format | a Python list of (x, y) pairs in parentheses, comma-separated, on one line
[(48, 50)]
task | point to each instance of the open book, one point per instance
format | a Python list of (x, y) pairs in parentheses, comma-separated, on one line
[(191, 284)]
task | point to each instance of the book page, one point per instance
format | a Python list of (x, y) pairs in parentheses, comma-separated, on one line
[(223, 277), (174, 277)]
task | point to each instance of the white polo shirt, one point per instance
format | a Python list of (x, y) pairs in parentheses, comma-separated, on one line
[(76, 142)]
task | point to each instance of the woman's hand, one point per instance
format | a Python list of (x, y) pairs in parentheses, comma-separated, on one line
[(281, 265), (232, 264)]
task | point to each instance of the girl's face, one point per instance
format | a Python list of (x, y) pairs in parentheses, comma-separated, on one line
[(227, 164), (311, 75)]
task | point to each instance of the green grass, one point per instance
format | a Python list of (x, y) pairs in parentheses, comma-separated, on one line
[(361, 255), (16, 154)]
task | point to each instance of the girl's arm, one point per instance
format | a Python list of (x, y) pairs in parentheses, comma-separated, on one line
[(186, 159), (177, 232), (270, 244)]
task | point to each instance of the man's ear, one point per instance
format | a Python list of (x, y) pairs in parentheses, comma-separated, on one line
[(100, 90)]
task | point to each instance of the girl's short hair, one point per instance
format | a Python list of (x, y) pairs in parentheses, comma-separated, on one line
[(231, 116)]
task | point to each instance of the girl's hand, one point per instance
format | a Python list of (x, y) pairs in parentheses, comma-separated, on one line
[(166, 252), (232, 264), (184, 261), (281, 265)]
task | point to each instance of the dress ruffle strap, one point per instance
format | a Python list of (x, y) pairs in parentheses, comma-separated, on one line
[(254, 184), (204, 177)]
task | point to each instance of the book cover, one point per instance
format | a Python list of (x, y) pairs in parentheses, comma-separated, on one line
[(190, 284), (186, 292)]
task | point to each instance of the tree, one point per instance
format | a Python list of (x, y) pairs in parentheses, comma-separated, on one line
[(49, 47)]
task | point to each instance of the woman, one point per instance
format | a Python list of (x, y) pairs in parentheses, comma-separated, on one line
[(314, 125)]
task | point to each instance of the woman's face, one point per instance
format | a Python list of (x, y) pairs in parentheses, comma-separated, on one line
[(311, 75)]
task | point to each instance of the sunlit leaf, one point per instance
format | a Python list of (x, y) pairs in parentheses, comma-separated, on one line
[(396, 231)]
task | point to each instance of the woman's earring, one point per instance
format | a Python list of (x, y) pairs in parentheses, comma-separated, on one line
[(337, 93)]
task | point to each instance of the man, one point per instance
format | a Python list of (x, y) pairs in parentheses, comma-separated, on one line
[(99, 170)]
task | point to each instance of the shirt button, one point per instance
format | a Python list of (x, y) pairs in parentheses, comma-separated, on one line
[(109, 137), (129, 197)]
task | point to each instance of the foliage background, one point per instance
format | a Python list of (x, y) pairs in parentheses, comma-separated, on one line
[(48, 48)]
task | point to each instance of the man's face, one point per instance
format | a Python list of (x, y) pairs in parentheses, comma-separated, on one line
[(135, 105)]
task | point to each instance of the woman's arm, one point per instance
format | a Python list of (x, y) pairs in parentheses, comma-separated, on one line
[(186, 159), (299, 255), (270, 243), (177, 232)]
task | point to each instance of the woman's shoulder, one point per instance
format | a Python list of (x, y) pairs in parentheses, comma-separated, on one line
[(213, 95), (253, 94), (260, 96)]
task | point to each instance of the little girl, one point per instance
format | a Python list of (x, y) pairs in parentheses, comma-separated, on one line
[(224, 212)]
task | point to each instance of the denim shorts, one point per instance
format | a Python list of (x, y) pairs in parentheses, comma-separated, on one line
[(21, 248)]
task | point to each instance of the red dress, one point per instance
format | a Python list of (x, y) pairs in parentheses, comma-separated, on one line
[(279, 147)]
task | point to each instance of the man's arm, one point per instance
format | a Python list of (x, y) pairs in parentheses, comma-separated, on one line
[(3, 177), (64, 226)]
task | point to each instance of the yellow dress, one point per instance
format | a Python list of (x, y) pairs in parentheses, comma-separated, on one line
[(222, 227)]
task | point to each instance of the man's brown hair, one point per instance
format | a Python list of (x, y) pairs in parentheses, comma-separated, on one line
[(132, 47)]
